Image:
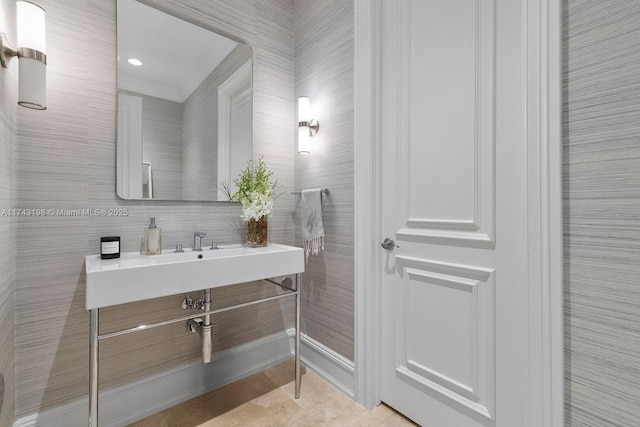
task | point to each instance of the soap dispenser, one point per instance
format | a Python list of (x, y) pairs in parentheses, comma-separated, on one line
[(152, 239)]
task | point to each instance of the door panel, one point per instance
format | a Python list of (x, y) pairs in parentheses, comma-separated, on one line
[(446, 330), (454, 330), (449, 59), (451, 111)]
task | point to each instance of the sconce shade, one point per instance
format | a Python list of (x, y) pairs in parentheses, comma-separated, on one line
[(32, 88), (31, 29), (303, 140), (303, 125), (303, 109), (307, 127), (32, 56)]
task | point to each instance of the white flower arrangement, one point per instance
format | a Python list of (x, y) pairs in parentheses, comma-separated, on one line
[(255, 191), (256, 206)]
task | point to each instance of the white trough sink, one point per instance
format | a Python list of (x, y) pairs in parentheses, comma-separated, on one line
[(136, 277)]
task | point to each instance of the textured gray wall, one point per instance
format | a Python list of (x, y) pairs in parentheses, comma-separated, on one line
[(65, 158), (324, 35), (8, 105), (602, 212)]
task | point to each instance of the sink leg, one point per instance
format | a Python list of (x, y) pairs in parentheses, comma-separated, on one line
[(297, 356), (207, 346), (93, 368)]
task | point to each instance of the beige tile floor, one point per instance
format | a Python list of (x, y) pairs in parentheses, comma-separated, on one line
[(267, 400)]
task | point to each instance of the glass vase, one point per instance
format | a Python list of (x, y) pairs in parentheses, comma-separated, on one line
[(257, 231)]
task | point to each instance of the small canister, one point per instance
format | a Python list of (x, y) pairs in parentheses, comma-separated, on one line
[(110, 247)]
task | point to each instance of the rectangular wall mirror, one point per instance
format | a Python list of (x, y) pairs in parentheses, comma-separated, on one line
[(185, 107)]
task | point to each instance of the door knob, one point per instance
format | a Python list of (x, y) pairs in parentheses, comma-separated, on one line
[(389, 244)]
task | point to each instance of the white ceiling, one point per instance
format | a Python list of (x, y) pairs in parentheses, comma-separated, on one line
[(176, 54)]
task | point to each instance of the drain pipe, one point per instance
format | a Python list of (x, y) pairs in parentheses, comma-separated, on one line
[(207, 328)]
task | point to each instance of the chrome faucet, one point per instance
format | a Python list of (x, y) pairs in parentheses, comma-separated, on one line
[(197, 241)]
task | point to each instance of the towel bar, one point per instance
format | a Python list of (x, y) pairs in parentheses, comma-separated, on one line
[(324, 191)]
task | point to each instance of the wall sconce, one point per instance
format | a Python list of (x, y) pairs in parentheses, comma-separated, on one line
[(306, 127), (31, 53)]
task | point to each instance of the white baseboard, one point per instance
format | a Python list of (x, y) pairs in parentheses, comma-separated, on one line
[(122, 405), (334, 368)]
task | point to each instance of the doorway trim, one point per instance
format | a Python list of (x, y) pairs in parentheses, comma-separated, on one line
[(367, 188), (237, 85), (542, 48)]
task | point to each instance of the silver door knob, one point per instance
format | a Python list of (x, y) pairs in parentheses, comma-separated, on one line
[(389, 244)]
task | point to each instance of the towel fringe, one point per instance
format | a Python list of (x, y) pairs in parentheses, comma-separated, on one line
[(313, 247)]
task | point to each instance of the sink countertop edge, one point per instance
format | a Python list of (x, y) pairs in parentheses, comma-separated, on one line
[(107, 287)]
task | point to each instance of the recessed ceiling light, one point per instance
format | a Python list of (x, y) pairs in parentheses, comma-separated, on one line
[(134, 61)]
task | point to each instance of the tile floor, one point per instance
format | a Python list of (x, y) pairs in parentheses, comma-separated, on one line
[(266, 400)]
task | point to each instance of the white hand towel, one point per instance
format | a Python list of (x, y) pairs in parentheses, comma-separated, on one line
[(312, 226)]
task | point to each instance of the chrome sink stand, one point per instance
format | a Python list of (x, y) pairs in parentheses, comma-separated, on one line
[(95, 338)]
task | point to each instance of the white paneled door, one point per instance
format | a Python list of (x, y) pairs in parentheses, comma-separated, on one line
[(455, 332)]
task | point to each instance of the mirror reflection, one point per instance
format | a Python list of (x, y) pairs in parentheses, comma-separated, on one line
[(185, 107)]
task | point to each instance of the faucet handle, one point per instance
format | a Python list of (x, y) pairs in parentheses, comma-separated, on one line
[(214, 245), (179, 248)]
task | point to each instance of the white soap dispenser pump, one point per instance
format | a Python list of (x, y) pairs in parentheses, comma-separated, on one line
[(152, 239)]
